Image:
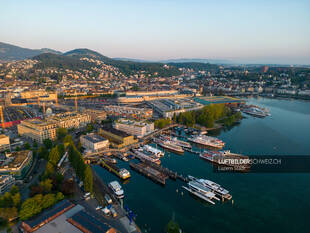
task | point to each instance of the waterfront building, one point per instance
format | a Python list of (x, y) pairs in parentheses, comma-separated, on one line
[(128, 112), (168, 107), (16, 163), (94, 142), (37, 129), (117, 138), (6, 182), (4, 143), (136, 128)]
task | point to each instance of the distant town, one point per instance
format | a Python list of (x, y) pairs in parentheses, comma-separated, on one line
[(62, 114)]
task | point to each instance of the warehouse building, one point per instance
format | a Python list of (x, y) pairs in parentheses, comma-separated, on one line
[(94, 142)]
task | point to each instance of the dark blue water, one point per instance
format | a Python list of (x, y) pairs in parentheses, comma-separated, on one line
[(262, 202)]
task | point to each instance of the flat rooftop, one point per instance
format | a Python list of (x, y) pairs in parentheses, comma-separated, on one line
[(94, 138), (60, 224), (115, 131), (18, 158), (90, 223), (217, 100)]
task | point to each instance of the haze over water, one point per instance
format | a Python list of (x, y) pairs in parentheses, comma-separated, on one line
[(263, 202)]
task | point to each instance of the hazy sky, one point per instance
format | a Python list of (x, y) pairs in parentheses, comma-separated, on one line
[(269, 31)]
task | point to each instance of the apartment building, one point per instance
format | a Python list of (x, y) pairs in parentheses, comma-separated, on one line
[(70, 120), (4, 143), (16, 163), (37, 129), (136, 128), (128, 112), (6, 182)]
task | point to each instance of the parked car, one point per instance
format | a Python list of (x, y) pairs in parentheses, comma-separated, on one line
[(108, 199)]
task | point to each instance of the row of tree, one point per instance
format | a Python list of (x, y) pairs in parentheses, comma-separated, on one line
[(162, 123), (36, 204), (206, 116)]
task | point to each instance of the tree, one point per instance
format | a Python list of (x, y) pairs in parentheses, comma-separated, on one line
[(35, 144), (67, 187), (14, 190), (50, 169), (68, 139), (16, 199), (89, 128), (88, 181), (48, 143), (46, 185), (59, 196), (61, 133), (27, 146), (54, 156), (43, 152), (48, 200)]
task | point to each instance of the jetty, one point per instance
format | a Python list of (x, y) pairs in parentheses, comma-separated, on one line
[(149, 172)]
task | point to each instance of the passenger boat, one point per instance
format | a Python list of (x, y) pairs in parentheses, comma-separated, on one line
[(117, 189), (207, 141), (216, 188), (201, 191), (158, 153)]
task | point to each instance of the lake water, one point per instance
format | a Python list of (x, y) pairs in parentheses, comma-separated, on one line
[(275, 202)]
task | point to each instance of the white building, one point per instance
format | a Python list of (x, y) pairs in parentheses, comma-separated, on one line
[(6, 182), (4, 143), (136, 128), (94, 142)]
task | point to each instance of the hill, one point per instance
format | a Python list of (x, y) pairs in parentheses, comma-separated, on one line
[(10, 52), (126, 67), (60, 61)]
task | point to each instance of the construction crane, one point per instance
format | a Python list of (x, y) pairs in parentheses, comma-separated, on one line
[(2, 118), (75, 102)]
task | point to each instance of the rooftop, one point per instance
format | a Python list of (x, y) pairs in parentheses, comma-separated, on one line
[(88, 222), (17, 158), (115, 131), (94, 138)]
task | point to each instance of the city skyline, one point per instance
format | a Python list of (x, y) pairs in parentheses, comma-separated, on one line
[(256, 32)]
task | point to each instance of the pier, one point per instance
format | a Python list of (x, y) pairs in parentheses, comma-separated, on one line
[(171, 174), (150, 172)]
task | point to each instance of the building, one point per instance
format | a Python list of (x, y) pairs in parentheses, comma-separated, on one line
[(94, 142), (4, 143), (70, 120), (6, 182), (128, 112), (37, 129), (66, 217), (136, 128), (16, 163), (116, 137), (168, 107), (95, 115)]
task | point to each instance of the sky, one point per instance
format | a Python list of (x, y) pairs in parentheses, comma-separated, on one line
[(252, 31)]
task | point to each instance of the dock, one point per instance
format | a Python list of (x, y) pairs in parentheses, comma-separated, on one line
[(171, 174), (113, 168), (150, 172)]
